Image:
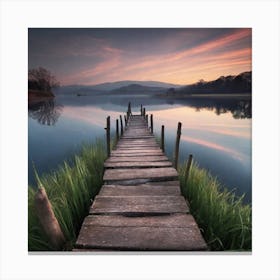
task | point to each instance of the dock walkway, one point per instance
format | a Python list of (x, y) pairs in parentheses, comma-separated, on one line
[(140, 206)]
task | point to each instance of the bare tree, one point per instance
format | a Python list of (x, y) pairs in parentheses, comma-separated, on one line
[(41, 79)]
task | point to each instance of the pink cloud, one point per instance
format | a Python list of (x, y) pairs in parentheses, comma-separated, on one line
[(214, 146), (207, 60)]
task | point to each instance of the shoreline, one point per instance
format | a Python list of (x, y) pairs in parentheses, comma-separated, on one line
[(209, 95), (35, 96)]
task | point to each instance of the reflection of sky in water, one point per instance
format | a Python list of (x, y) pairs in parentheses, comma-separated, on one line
[(219, 143)]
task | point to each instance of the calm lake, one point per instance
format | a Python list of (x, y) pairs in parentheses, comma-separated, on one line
[(216, 131)]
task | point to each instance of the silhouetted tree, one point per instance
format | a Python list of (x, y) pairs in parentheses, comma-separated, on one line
[(45, 112), (41, 79)]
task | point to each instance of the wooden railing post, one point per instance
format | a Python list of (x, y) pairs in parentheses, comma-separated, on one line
[(125, 120), (141, 110), (146, 119), (47, 219), (144, 112), (162, 138), (152, 124), (177, 145), (121, 125), (129, 110), (117, 130), (189, 163), (108, 136)]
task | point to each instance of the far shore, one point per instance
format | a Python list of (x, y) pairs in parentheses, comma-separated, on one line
[(209, 95)]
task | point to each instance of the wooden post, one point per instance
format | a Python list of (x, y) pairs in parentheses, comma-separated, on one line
[(152, 124), (117, 130), (144, 112), (189, 163), (129, 109), (125, 120), (177, 145), (162, 138), (108, 136), (146, 119), (47, 219), (121, 125), (141, 110)]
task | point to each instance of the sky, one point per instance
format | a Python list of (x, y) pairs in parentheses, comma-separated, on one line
[(89, 56)]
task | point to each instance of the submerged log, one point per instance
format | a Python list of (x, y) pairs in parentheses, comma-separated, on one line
[(47, 219)]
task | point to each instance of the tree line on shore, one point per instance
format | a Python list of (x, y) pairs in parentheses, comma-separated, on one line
[(41, 80)]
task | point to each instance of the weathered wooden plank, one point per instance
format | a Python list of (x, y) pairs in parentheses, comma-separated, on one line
[(136, 150), (153, 147), (137, 142), (137, 125), (137, 132), (138, 190), (120, 154), (139, 173), (139, 147), (136, 158), (180, 220), (137, 164), (137, 137), (164, 183), (152, 237), (139, 205)]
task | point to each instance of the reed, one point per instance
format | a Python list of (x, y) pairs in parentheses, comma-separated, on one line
[(70, 190), (225, 221)]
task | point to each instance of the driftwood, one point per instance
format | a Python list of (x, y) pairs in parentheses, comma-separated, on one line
[(47, 219)]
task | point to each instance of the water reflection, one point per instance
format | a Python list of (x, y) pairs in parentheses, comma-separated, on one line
[(219, 136), (46, 112), (240, 109)]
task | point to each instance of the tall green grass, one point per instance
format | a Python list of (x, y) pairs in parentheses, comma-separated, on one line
[(70, 190), (225, 221)]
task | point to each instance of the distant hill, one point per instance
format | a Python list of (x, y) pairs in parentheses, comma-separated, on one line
[(120, 84), (241, 83), (138, 89), (114, 87)]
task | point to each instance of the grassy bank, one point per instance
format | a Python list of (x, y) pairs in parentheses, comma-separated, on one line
[(225, 221), (70, 190)]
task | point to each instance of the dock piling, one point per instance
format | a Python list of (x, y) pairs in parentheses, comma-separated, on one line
[(117, 130), (125, 119), (152, 124), (108, 136), (162, 138), (47, 218), (121, 121), (177, 145)]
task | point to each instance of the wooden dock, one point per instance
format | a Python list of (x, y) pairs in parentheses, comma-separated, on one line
[(140, 206)]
